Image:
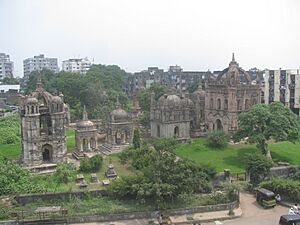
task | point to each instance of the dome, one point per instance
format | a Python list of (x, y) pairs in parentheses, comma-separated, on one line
[(85, 124), (169, 100), (57, 99), (119, 114), (31, 100), (199, 92)]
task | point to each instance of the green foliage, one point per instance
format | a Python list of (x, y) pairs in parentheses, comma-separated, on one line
[(92, 164), (65, 172), (161, 176), (288, 188), (15, 179), (98, 90), (264, 122), (9, 130), (258, 166), (144, 95), (136, 139), (145, 119), (10, 80), (217, 139)]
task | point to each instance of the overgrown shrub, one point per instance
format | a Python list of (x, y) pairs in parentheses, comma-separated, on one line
[(288, 188), (217, 139), (93, 164), (65, 172), (258, 166), (15, 179), (9, 130)]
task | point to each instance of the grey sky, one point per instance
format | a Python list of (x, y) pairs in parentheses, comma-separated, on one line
[(135, 34)]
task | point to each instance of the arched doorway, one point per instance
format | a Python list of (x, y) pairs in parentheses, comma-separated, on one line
[(47, 153), (219, 124), (176, 132)]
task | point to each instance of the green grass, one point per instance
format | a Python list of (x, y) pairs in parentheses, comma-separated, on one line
[(10, 151), (13, 151), (232, 157), (70, 139)]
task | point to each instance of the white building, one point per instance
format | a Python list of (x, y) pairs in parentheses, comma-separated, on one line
[(38, 63), (76, 65), (283, 86), (9, 87), (6, 66)]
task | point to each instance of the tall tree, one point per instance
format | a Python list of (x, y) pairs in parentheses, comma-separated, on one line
[(144, 95), (264, 122), (136, 139)]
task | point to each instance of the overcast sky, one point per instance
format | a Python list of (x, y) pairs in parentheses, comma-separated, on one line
[(136, 34)]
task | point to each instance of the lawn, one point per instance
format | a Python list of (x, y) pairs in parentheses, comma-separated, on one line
[(13, 151), (232, 157)]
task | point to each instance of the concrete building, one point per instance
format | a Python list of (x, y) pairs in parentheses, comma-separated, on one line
[(37, 63), (6, 66), (76, 65), (9, 88), (283, 86), (44, 118)]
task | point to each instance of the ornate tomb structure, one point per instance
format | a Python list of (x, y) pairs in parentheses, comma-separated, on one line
[(44, 118)]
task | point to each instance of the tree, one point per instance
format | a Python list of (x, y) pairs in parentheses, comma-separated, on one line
[(145, 95), (92, 164), (258, 166), (136, 139), (10, 80), (264, 122), (161, 176), (64, 173), (15, 179), (217, 139)]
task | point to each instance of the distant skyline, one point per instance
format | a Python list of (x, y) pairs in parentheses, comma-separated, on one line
[(136, 34)]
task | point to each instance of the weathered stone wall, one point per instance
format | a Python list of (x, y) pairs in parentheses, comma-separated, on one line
[(28, 198), (143, 215), (283, 171)]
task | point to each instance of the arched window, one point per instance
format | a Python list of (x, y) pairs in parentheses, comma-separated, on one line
[(219, 104), (32, 109), (176, 132), (225, 104), (158, 131), (239, 105), (211, 103), (247, 104)]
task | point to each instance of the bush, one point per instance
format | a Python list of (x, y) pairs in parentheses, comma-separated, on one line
[(93, 164), (258, 166), (288, 188), (217, 139), (65, 172), (15, 179), (9, 130)]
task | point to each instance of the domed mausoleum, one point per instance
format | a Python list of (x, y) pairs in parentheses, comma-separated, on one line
[(44, 118), (85, 136), (119, 127), (171, 116)]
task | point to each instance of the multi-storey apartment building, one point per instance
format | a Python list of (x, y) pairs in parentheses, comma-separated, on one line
[(39, 62), (283, 86), (76, 65), (6, 66)]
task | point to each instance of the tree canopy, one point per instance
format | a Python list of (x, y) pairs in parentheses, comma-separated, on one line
[(98, 90), (265, 122), (161, 176)]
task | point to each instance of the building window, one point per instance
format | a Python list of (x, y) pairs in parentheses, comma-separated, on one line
[(247, 104), (225, 104), (211, 103), (239, 105), (219, 103)]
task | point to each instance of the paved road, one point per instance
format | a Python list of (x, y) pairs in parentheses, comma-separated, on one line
[(254, 214)]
